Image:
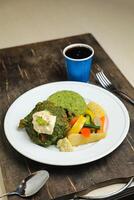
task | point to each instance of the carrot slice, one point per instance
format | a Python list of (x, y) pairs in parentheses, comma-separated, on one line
[(85, 132)]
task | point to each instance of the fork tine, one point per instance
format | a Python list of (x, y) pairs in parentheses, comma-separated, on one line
[(105, 78), (98, 75)]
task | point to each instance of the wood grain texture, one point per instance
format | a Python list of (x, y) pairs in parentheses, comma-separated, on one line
[(25, 67)]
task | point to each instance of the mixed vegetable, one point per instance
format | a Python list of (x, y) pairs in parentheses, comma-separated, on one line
[(64, 124), (86, 128)]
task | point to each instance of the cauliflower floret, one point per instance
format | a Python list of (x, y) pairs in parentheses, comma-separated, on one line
[(64, 145)]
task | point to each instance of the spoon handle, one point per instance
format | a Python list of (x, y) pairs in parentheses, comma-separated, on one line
[(9, 194)]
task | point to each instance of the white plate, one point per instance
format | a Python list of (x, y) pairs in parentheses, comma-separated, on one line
[(118, 125)]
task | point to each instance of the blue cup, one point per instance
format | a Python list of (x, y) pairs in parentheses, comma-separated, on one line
[(78, 59)]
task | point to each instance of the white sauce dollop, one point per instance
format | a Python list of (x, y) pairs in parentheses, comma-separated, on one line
[(48, 117)]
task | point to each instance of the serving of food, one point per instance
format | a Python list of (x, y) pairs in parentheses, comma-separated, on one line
[(66, 123), (64, 119)]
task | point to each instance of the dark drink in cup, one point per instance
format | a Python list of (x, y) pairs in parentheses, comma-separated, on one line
[(78, 58), (78, 52)]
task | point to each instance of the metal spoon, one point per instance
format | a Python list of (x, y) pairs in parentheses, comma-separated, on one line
[(30, 185)]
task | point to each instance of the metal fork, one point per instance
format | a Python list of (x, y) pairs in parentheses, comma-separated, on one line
[(105, 82)]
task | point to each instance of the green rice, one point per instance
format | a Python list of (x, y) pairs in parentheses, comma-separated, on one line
[(70, 100)]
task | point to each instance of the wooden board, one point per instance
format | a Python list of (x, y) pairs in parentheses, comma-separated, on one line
[(25, 67)]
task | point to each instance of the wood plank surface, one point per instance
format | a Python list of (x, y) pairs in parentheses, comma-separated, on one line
[(25, 67)]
